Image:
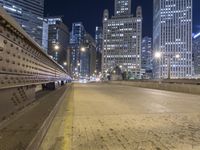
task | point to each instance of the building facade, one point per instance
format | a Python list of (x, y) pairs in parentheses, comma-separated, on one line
[(122, 7), (147, 57), (196, 54), (29, 14), (172, 38), (88, 57), (122, 36), (76, 41), (99, 48), (56, 39)]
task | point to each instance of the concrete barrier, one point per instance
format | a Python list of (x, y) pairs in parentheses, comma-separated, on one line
[(172, 86)]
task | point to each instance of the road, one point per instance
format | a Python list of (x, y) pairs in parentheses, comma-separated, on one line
[(111, 117)]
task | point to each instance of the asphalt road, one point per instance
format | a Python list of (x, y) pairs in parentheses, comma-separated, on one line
[(111, 117)]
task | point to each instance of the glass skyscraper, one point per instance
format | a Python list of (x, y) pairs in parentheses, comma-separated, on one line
[(172, 38), (29, 14), (83, 51), (147, 55), (76, 41), (196, 54), (99, 47), (56, 33)]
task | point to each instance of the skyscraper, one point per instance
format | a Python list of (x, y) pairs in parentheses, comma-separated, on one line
[(88, 56), (122, 7), (76, 41), (122, 40), (57, 34), (196, 54), (172, 38), (147, 56), (29, 14), (99, 47)]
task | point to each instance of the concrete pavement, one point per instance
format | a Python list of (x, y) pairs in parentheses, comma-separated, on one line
[(17, 133), (111, 117)]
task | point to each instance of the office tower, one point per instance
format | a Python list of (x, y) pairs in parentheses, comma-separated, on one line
[(56, 39), (99, 47), (29, 14), (76, 42), (88, 56), (172, 38), (122, 7), (196, 54), (147, 56), (122, 40)]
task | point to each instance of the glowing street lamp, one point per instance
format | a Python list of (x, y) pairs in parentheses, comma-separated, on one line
[(83, 49), (177, 56), (169, 57), (65, 63), (56, 47), (158, 55)]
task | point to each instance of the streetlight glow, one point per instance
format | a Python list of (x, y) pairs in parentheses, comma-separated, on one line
[(65, 63), (83, 49), (56, 47), (178, 56), (157, 54)]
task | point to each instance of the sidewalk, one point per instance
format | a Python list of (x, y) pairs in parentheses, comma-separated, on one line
[(59, 134)]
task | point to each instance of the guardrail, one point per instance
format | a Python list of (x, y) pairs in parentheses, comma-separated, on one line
[(22, 60), (171, 81), (180, 85)]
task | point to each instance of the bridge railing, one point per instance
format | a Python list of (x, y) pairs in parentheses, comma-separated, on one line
[(22, 60)]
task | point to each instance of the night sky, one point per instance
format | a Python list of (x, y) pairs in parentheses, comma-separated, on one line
[(90, 12)]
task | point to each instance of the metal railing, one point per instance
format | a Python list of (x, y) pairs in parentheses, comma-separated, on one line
[(22, 60)]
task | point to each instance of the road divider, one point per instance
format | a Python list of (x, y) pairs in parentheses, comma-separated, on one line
[(184, 87)]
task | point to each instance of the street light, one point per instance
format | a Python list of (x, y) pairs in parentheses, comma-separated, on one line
[(56, 47), (158, 56), (65, 63), (178, 56), (83, 49)]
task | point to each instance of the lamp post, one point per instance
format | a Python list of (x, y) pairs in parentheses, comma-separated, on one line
[(56, 48), (158, 55)]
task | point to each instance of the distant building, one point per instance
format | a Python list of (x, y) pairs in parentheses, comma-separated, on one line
[(122, 7), (76, 41), (29, 14), (56, 39), (196, 54), (147, 56), (122, 36), (99, 47), (172, 36), (88, 57)]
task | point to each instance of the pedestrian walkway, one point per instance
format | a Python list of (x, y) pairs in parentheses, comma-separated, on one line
[(117, 117), (59, 135)]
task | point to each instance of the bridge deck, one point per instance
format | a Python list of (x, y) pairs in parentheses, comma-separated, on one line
[(111, 117)]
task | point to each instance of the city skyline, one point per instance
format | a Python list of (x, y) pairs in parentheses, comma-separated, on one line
[(91, 20), (28, 14)]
